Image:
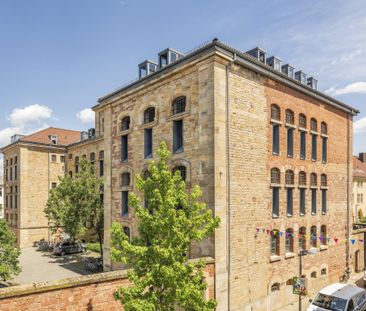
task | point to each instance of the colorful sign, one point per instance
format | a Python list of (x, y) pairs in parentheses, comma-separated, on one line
[(299, 286)]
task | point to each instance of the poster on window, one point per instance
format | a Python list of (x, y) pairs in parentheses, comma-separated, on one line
[(299, 286)]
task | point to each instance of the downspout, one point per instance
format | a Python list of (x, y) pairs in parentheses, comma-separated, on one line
[(347, 269), (228, 66)]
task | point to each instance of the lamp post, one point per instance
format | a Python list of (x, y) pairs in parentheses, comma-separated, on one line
[(301, 253)]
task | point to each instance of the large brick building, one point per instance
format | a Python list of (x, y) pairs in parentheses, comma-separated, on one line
[(272, 155)]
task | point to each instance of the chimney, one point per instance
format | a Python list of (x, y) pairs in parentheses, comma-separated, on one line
[(362, 157)]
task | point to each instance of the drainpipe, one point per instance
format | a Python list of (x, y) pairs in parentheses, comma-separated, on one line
[(347, 269), (228, 66)]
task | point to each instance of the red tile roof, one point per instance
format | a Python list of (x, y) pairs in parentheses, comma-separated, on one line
[(64, 137), (359, 168)]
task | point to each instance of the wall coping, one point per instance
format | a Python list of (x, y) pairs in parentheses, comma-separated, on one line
[(26, 289)]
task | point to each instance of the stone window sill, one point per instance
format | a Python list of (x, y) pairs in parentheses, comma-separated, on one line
[(276, 122), (275, 258), (289, 255), (290, 125), (302, 129)]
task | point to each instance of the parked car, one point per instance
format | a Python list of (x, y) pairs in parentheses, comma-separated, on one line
[(339, 297), (69, 247)]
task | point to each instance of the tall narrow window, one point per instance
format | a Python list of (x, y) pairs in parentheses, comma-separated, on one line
[(302, 238), (290, 191), (275, 117), (313, 185), (275, 183), (101, 163), (323, 235), (179, 105), (289, 245), (124, 148), (15, 172), (11, 173), (76, 165), (148, 144), (290, 142), (313, 236), (324, 132), (302, 145), (313, 146), (302, 185), (324, 201), (178, 136), (313, 201), (124, 203), (275, 244)]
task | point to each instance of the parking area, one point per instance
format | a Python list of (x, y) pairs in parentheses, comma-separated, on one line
[(42, 266)]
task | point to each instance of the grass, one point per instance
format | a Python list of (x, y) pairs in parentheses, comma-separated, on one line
[(93, 247)]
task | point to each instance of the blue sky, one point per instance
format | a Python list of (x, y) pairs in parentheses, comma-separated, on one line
[(57, 57)]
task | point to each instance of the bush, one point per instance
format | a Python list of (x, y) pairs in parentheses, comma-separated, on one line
[(93, 247)]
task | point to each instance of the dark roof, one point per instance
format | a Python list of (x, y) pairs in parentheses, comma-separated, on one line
[(245, 60)]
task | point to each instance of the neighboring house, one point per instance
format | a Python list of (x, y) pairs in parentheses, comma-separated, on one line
[(1, 197), (359, 189), (32, 165), (268, 150)]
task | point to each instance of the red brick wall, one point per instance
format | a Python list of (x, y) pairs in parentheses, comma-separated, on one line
[(91, 293)]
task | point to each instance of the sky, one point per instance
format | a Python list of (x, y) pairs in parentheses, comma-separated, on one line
[(57, 57)]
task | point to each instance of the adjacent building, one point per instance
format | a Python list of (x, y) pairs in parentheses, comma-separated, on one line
[(272, 155), (1, 197)]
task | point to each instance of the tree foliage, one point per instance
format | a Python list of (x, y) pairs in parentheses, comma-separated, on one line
[(9, 254), (162, 276), (77, 201)]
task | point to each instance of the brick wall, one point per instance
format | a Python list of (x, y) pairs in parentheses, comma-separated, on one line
[(92, 292)]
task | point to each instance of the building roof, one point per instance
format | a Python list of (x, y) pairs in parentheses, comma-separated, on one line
[(359, 168), (242, 59), (64, 136), (339, 290)]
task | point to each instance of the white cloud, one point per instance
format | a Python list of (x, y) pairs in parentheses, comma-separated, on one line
[(356, 87), (359, 126), (20, 117), (86, 115)]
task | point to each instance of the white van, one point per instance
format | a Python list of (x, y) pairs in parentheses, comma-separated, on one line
[(339, 297)]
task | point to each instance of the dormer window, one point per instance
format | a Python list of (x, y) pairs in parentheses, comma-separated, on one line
[(168, 56), (147, 67), (53, 139), (301, 77), (274, 62), (288, 70)]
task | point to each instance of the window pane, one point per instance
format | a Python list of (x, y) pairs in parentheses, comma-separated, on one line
[(148, 143), (276, 139), (124, 203), (302, 201), (302, 145), (275, 202), (289, 202), (313, 201), (124, 148), (178, 136), (324, 201), (313, 147), (290, 142), (324, 149)]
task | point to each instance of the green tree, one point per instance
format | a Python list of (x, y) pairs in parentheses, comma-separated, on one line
[(162, 276), (76, 201), (9, 254)]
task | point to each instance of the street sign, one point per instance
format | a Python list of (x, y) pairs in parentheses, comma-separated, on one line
[(299, 286)]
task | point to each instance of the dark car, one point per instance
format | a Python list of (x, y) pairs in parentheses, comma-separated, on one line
[(68, 247)]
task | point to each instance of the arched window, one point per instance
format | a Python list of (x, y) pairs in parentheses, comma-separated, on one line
[(289, 236), (323, 234), (275, 176), (182, 170), (324, 128), (323, 271), (275, 243), (302, 121), (290, 119), (313, 275), (149, 115), (179, 105), (127, 231), (125, 179), (125, 123), (323, 180), (302, 178), (92, 157), (275, 287), (313, 236), (313, 125), (275, 112), (313, 180), (289, 177), (302, 238), (146, 174)]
